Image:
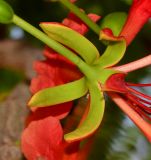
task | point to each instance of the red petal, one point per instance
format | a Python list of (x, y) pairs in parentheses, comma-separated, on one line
[(43, 139), (139, 13), (59, 111), (54, 71), (77, 24)]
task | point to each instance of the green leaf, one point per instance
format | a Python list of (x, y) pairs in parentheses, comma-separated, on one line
[(115, 21), (59, 94), (113, 54), (72, 39), (9, 78), (94, 117)]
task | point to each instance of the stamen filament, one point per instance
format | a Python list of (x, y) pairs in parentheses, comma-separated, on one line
[(139, 93), (145, 108), (138, 85), (142, 114), (143, 100)]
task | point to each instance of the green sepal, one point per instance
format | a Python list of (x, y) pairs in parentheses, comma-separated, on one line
[(72, 39), (94, 117), (59, 94), (113, 54), (105, 74), (6, 12), (115, 21)]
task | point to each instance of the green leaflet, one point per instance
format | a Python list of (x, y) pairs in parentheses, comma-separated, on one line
[(94, 117), (113, 54), (59, 94), (73, 40), (114, 21)]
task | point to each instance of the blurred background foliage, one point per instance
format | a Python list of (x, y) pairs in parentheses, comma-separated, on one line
[(117, 138)]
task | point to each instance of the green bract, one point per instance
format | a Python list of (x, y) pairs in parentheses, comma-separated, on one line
[(115, 21), (72, 39), (6, 12), (113, 54), (94, 116), (59, 94)]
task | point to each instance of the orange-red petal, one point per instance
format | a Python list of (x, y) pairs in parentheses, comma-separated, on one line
[(43, 139)]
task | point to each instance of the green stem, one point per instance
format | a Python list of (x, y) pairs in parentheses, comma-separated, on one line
[(81, 15), (85, 68), (47, 40)]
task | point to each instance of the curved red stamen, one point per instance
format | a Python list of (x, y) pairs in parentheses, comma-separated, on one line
[(139, 104), (143, 100), (138, 85), (141, 113), (138, 93)]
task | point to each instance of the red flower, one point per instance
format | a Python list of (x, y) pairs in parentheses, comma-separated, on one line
[(76, 24), (139, 14), (42, 139)]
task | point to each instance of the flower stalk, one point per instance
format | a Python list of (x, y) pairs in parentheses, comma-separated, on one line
[(48, 41), (73, 8)]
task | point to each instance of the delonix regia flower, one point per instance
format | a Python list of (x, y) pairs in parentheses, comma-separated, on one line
[(95, 74), (86, 73)]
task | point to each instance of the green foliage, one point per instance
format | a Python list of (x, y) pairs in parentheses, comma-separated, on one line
[(8, 79)]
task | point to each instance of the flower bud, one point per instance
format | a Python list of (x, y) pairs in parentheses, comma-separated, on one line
[(6, 12)]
